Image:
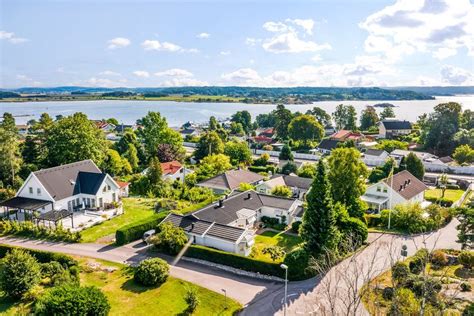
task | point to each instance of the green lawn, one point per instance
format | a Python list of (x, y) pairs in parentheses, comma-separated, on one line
[(128, 298), (135, 209), (269, 238), (449, 194)]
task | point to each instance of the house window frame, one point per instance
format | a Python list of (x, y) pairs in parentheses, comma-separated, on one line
[(30, 189)]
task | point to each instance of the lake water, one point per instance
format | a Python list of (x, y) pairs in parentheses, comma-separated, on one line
[(178, 113)]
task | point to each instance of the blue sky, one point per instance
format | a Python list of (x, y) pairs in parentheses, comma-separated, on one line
[(252, 43)]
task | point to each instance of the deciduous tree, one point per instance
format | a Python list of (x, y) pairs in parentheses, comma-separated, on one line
[(387, 112), (464, 154), (305, 128), (283, 119), (238, 152), (415, 166), (369, 118), (209, 144)]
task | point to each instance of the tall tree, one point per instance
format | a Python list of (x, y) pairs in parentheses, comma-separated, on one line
[(244, 118), (155, 131), (387, 112), (10, 156), (441, 127), (238, 152), (132, 156), (154, 172), (266, 119), (318, 228), (213, 124), (283, 119), (347, 175), (8, 123), (321, 116), (345, 117), (213, 165), (209, 143), (286, 153), (75, 138), (167, 153), (368, 118), (305, 128), (415, 166)]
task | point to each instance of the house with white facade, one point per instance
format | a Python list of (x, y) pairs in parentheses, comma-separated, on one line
[(400, 188), (390, 128), (67, 188), (327, 145), (174, 170), (374, 157), (229, 223), (298, 185)]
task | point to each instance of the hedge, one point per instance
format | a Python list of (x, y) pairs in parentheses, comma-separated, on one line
[(373, 220), (258, 169), (234, 260), (134, 231), (42, 256), (441, 201)]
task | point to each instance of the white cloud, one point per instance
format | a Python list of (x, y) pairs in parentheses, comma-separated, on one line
[(141, 73), (316, 58), (27, 80), (10, 37), (287, 37), (118, 42), (439, 27), (166, 46), (245, 76), (175, 72), (456, 76), (225, 53), (179, 82), (109, 73), (250, 41), (104, 82), (203, 35)]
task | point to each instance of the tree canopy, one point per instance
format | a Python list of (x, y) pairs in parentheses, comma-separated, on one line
[(283, 119), (321, 116), (209, 144), (368, 118), (305, 128), (238, 152), (441, 127), (345, 117), (415, 166)]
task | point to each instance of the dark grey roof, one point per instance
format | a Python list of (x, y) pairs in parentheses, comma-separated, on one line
[(406, 184), (446, 159), (193, 225), (89, 183), (54, 216), (187, 131), (374, 152), (63, 181), (328, 144), (121, 128), (24, 203), (298, 182), (395, 124), (230, 180), (299, 211), (227, 213)]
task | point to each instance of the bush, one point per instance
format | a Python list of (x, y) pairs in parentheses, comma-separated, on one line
[(73, 300), (445, 202), (466, 287), (43, 256), (295, 226), (404, 302), (354, 230), (466, 258), (153, 271), (29, 229), (234, 260), (171, 239), (373, 220), (191, 298), (400, 272), (298, 264), (439, 258), (19, 272), (135, 231), (418, 261), (469, 310), (387, 293)]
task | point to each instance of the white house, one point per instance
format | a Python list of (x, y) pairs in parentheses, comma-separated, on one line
[(401, 188), (390, 128), (174, 170), (374, 157), (71, 187), (298, 185)]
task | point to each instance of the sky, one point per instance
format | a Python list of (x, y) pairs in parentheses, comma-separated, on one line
[(145, 43)]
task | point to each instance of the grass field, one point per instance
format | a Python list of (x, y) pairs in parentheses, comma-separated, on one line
[(452, 195), (128, 298), (270, 238), (135, 209)]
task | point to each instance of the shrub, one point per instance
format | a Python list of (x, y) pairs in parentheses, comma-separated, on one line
[(234, 260), (400, 272), (135, 231), (73, 300), (298, 264), (466, 258), (469, 310), (50, 269), (29, 229), (466, 287), (19, 272), (151, 272), (439, 258), (171, 239), (295, 226), (289, 167), (275, 252), (445, 202), (387, 293), (418, 261), (191, 298), (373, 220), (404, 303), (43, 256), (354, 230)]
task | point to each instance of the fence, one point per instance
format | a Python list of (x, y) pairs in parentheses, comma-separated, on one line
[(448, 169), (273, 153), (463, 197)]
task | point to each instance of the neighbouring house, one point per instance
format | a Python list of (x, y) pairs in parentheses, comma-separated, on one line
[(400, 188), (120, 129), (67, 188), (105, 126), (298, 216), (23, 129), (327, 145), (267, 132), (264, 140), (174, 170), (343, 135), (124, 188), (329, 130), (190, 132), (374, 157), (390, 128), (298, 185), (231, 180)]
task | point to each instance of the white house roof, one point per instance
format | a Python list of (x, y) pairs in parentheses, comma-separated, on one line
[(374, 199)]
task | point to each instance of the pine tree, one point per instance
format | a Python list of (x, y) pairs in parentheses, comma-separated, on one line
[(318, 228), (415, 166)]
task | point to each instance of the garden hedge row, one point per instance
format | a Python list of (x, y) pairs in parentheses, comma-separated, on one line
[(445, 202), (236, 261), (258, 169), (42, 256), (135, 231)]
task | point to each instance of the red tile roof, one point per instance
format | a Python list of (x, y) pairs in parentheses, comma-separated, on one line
[(170, 167), (122, 184), (262, 139)]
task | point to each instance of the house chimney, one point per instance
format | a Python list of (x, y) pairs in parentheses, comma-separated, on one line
[(249, 196), (192, 226), (409, 180), (401, 187)]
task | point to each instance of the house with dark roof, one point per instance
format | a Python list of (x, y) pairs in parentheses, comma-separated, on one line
[(327, 145), (390, 128), (400, 188), (298, 185), (71, 187), (231, 180)]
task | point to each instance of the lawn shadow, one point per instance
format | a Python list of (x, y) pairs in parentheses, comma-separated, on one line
[(132, 286), (464, 273)]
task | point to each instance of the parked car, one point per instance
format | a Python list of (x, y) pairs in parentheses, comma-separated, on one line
[(148, 234)]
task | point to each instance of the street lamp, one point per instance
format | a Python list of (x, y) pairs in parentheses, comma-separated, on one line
[(225, 298), (285, 267), (404, 251)]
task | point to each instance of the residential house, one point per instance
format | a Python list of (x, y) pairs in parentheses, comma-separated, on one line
[(374, 157), (71, 187), (298, 215), (327, 145), (298, 185), (174, 170), (231, 180), (120, 129), (105, 126), (124, 188), (344, 135), (190, 132), (390, 128), (267, 132), (23, 129), (264, 140), (400, 188)]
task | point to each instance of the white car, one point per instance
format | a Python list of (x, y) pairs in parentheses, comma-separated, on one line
[(148, 234)]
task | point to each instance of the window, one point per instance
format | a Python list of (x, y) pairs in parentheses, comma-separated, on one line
[(31, 190), (104, 189), (385, 190), (379, 189), (38, 191), (109, 188)]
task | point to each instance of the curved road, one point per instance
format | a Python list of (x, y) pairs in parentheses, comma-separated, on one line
[(263, 297)]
